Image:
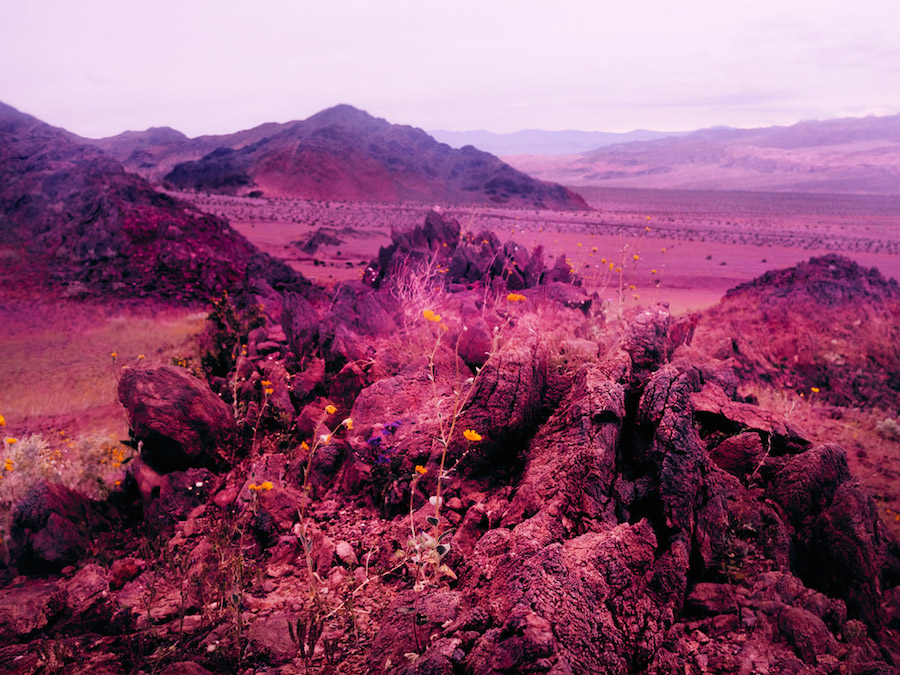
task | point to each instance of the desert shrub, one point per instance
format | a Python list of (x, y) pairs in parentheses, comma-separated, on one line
[(226, 333), (888, 428), (90, 464)]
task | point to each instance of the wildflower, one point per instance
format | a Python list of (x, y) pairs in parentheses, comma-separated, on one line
[(266, 486), (421, 469), (325, 438), (431, 316), (648, 217), (141, 356), (253, 487), (653, 271), (266, 383), (472, 435), (636, 257), (814, 390), (114, 354), (12, 441), (8, 464), (2, 421), (516, 297), (348, 423), (663, 249), (330, 409), (268, 391), (646, 229), (304, 446)]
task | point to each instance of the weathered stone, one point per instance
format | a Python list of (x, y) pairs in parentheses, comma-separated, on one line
[(177, 420)]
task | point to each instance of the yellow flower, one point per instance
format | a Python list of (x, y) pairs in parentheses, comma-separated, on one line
[(141, 356), (348, 423), (421, 469), (304, 445), (269, 391), (8, 465), (114, 354), (636, 257), (516, 297), (266, 486), (330, 409), (814, 390), (472, 435), (253, 487), (265, 383), (431, 316), (12, 441), (652, 271), (2, 421)]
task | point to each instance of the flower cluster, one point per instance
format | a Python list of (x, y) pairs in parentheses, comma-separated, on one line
[(431, 316), (265, 486), (516, 297)]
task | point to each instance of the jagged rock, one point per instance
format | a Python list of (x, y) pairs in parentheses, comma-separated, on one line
[(171, 497), (178, 421), (51, 528), (571, 462), (27, 607), (806, 485), (807, 633), (300, 321), (508, 395)]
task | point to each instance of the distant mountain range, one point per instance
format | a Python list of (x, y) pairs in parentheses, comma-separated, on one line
[(851, 155), (338, 154), (538, 142)]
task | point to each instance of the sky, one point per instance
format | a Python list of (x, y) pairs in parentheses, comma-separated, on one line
[(100, 67)]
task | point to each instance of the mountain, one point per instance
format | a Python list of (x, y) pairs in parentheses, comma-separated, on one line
[(851, 155), (70, 214), (154, 152), (340, 153), (540, 142)]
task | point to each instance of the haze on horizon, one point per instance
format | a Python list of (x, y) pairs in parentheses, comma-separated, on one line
[(209, 67)]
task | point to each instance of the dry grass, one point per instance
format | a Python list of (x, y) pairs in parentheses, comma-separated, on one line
[(57, 355)]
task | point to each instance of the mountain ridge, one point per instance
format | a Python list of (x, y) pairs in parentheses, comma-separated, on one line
[(340, 153), (847, 155)]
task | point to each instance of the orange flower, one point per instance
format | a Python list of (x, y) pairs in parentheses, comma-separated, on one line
[(431, 316), (265, 383), (268, 391), (2, 421), (330, 409), (421, 469), (266, 486), (472, 435), (814, 390), (12, 441), (304, 445), (516, 297)]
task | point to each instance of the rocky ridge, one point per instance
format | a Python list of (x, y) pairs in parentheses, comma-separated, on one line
[(613, 506), (72, 216)]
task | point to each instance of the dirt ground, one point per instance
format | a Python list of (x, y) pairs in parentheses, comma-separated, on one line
[(700, 244)]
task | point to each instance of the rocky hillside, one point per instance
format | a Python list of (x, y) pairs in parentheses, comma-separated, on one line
[(457, 469), (341, 153), (827, 324), (71, 215), (853, 155)]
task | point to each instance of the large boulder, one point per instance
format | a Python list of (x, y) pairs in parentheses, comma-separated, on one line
[(177, 420)]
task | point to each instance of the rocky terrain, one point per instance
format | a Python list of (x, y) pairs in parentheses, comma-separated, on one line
[(340, 154), (458, 465), (71, 215), (852, 155)]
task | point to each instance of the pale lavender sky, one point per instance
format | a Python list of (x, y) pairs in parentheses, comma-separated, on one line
[(99, 67)]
